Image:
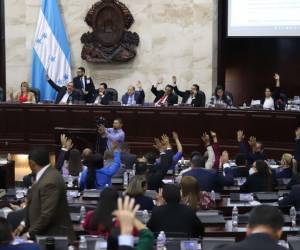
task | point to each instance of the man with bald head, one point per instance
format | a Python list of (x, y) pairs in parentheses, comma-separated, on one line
[(134, 95)]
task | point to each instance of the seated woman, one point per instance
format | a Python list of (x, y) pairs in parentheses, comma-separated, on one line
[(268, 102), (261, 180), (287, 168), (96, 175), (100, 221), (24, 96), (193, 197), (137, 189), (220, 97)]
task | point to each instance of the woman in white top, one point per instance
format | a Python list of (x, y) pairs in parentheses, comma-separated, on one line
[(268, 103)]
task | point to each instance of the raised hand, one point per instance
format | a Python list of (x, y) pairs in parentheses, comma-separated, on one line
[(276, 76), (160, 81), (66, 142), (126, 214), (174, 79), (175, 136), (139, 85), (240, 136)]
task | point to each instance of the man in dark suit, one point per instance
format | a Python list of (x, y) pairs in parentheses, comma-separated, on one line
[(65, 94), (263, 232), (209, 179), (134, 96), (174, 218), (194, 97), (47, 212), (84, 83), (100, 96), (164, 97)]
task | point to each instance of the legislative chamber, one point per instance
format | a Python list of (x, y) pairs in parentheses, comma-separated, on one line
[(168, 125)]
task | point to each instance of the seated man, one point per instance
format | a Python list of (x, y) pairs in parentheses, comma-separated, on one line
[(65, 94), (263, 232), (194, 97), (100, 96), (134, 96), (84, 83), (209, 179), (127, 158), (174, 218), (7, 239), (253, 151), (164, 97)]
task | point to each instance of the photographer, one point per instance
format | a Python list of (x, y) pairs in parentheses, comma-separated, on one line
[(106, 136)]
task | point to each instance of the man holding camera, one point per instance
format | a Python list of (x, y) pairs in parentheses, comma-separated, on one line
[(106, 136)]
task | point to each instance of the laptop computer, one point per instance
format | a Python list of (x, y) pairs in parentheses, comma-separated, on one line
[(267, 196)]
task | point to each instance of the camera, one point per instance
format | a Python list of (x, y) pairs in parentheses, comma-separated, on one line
[(100, 121)]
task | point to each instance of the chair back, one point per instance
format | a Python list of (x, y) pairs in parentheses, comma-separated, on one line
[(37, 94), (113, 93)]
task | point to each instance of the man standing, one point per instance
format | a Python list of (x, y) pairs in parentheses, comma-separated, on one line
[(47, 212), (85, 84), (166, 97), (194, 97), (114, 134), (134, 95)]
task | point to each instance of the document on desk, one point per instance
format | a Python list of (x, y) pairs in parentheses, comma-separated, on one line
[(243, 204)]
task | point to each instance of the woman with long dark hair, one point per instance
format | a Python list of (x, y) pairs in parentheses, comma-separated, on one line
[(221, 97), (100, 221), (261, 180), (88, 176)]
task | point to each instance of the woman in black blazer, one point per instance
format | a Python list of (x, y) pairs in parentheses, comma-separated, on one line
[(261, 181)]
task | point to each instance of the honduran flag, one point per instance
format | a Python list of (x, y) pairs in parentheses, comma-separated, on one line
[(51, 51)]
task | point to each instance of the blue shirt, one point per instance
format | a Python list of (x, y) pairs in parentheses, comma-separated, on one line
[(117, 135), (23, 246), (103, 175)]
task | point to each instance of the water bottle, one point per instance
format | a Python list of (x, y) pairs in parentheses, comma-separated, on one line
[(70, 181), (125, 179), (70, 100), (145, 216), (9, 158), (82, 213), (50, 244), (82, 243), (213, 195), (293, 215), (161, 241), (235, 215)]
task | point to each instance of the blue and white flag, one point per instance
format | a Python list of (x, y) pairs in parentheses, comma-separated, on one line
[(51, 52)]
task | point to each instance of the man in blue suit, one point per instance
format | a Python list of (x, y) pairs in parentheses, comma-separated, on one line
[(134, 95), (209, 179)]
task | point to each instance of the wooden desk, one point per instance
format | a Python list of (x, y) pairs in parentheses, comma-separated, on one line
[(23, 125)]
